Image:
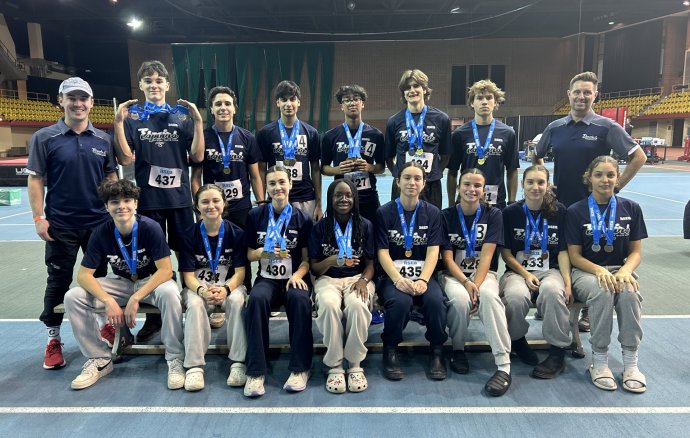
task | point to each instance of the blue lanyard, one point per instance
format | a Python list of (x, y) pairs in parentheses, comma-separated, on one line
[(289, 143), (131, 261), (415, 132), (213, 262), (344, 241), (532, 230), (598, 222), (355, 144), (481, 150), (471, 236), (273, 231), (408, 232), (149, 108), (225, 149)]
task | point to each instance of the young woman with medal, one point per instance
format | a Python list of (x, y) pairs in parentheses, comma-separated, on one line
[(341, 250), (408, 237), (213, 267), (472, 230), (537, 264), (277, 237), (604, 234)]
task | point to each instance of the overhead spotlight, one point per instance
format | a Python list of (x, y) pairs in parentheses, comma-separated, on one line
[(686, 3), (135, 23), (351, 5), (611, 23)]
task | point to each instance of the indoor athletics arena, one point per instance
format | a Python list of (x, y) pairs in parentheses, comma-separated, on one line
[(529, 50)]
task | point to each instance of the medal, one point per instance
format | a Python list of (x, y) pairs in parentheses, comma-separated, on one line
[(415, 132), (481, 161), (544, 255), (289, 143), (265, 255), (596, 248), (349, 262), (284, 253), (182, 117), (226, 170), (469, 237), (344, 241), (408, 231), (608, 248), (532, 232), (599, 226), (134, 116), (482, 150), (467, 261), (419, 152), (340, 261), (130, 260), (408, 253), (289, 162), (135, 277), (354, 143)]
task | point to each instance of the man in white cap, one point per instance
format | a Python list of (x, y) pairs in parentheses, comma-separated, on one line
[(69, 159)]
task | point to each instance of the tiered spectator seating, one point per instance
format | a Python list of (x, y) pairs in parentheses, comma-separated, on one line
[(44, 111), (634, 104), (674, 103)]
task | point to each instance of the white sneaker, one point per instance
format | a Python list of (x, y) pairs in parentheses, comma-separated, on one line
[(194, 379), (238, 376), (297, 381), (92, 370), (176, 374), (254, 386), (216, 320)]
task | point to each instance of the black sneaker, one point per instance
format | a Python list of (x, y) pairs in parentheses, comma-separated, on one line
[(437, 366), (152, 326), (583, 323), (391, 364), (552, 366), (521, 348), (459, 362)]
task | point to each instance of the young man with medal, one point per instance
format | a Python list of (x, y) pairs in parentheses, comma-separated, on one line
[(537, 263), (577, 139), (138, 255), (213, 265), (67, 162), (419, 133), (604, 234), (164, 138), (408, 237), (486, 144), (472, 230), (278, 237), (341, 250), (355, 150), (295, 145)]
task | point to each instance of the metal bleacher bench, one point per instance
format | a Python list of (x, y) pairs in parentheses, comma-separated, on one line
[(575, 347)]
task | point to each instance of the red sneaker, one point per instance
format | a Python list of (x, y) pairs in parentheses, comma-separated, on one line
[(53, 356), (108, 335)]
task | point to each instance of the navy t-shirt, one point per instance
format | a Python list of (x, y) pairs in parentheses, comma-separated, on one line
[(427, 230), (576, 145), (629, 227), (502, 153), (297, 235), (334, 147), (245, 151), (151, 246), (489, 230), (436, 141), (161, 166), (320, 248), (308, 150), (514, 221), (72, 166)]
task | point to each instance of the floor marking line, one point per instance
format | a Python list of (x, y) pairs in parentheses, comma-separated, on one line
[(521, 410), (655, 197), (13, 215)]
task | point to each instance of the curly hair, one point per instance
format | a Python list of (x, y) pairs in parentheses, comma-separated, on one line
[(357, 231), (122, 188), (485, 86)]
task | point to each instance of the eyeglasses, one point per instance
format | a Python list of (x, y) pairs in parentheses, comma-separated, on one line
[(349, 100)]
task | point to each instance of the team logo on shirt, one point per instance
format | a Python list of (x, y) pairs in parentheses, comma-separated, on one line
[(519, 235), (426, 137), (291, 243), (368, 147), (217, 156), (458, 241), (618, 230), (491, 150), (202, 261), (98, 152), (329, 250), (301, 149), (590, 137), (159, 138), (117, 262), (396, 237)]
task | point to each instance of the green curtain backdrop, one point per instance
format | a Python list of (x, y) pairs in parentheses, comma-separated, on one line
[(241, 67)]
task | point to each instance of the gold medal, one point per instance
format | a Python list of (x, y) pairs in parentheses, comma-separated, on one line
[(481, 161), (408, 253), (265, 255), (284, 253), (135, 277), (419, 152), (182, 117), (226, 170), (134, 115), (290, 162)]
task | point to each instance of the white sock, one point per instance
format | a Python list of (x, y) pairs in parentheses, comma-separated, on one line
[(53, 333), (629, 359), (600, 359), (505, 368)]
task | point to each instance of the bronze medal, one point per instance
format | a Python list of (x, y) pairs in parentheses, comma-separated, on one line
[(349, 262), (408, 253), (596, 248), (226, 170), (608, 248), (544, 255)]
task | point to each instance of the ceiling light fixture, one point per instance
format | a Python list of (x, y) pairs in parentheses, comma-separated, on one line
[(686, 3), (456, 10), (611, 23), (135, 23)]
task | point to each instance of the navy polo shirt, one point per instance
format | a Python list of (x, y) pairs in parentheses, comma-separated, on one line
[(576, 145), (322, 247), (72, 166), (151, 246), (501, 153), (308, 150), (436, 139), (489, 230), (163, 141), (233, 254), (334, 148), (244, 152)]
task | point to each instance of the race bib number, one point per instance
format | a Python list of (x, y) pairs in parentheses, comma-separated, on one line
[(209, 278), (491, 194), (426, 160), (467, 266), (165, 178), (359, 179), (277, 269), (295, 170), (410, 269), (532, 261), (232, 189)]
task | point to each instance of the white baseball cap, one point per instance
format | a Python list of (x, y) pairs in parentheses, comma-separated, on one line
[(71, 84)]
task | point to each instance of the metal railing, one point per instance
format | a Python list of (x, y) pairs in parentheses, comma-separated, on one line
[(631, 93)]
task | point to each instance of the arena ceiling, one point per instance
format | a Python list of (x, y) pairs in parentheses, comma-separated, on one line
[(187, 21)]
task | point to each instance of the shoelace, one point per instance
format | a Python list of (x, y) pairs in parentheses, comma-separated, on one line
[(54, 348)]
